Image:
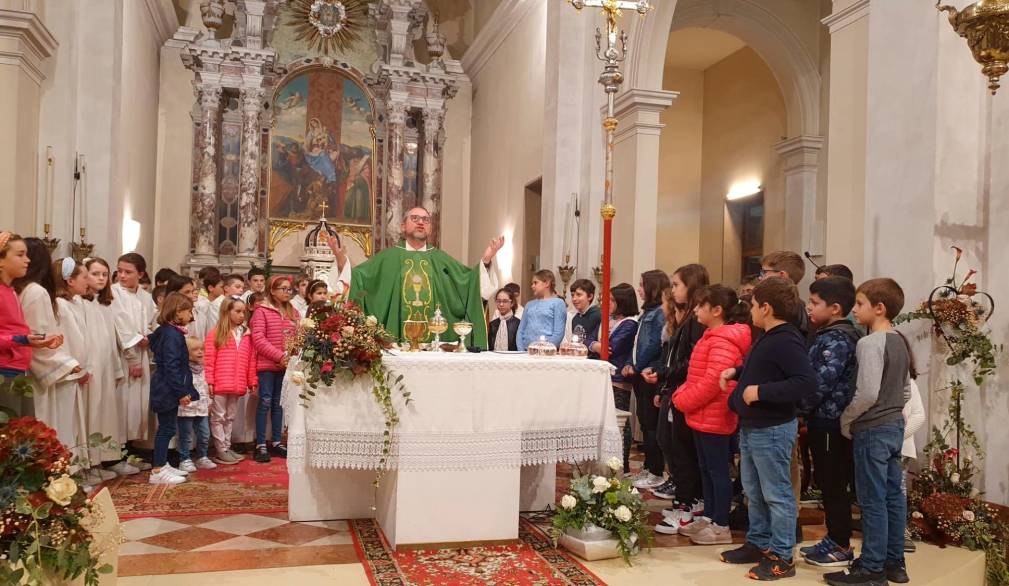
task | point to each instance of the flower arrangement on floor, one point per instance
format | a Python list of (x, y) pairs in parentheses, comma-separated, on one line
[(47, 523), (339, 340), (946, 508), (609, 503)]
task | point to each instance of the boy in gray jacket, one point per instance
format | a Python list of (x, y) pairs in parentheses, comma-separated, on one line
[(875, 423)]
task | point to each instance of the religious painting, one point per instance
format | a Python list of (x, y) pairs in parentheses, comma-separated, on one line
[(321, 149)]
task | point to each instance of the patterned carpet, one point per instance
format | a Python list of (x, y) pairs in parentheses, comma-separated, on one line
[(247, 487), (532, 562)]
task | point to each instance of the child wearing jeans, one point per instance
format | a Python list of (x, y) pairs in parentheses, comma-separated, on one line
[(194, 417), (704, 403), (874, 420), (171, 383), (773, 379)]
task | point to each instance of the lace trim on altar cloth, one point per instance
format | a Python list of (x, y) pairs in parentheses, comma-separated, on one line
[(445, 452), (409, 362)]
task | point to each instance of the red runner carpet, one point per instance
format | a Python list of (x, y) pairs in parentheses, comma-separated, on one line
[(535, 561), (247, 487)]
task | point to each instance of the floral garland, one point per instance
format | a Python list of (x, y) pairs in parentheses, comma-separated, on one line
[(338, 340), (46, 521), (609, 503)]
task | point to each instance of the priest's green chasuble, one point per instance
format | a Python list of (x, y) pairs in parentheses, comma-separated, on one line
[(399, 284)]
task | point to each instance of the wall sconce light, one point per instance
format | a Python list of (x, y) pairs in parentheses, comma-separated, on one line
[(743, 190)]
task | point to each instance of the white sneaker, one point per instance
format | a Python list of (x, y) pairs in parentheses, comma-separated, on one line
[(139, 464), (124, 469), (173, 470), (165, 476), (105, 474), (649, 480), (204, 463), (187, 466), (668, 527)]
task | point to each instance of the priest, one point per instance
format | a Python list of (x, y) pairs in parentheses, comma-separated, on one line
[(411, 280)]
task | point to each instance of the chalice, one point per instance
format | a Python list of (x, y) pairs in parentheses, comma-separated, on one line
[(462, 329), (415, 330), (438, 325)]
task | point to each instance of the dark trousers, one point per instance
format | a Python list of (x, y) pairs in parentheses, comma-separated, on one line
[(622, 401), (167, 427), (832, 467), (664, 434), (269, 406), (686, 473), (713, 453), (648, 418)]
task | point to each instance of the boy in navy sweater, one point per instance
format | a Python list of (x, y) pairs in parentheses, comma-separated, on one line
[(775, 376)]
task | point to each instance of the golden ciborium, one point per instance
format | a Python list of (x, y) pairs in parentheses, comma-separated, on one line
[(414, 330), (438, 325), (462, 329)]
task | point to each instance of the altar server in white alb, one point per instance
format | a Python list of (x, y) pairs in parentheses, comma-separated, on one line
[(134, 311), (101, 402), (71, 283), (55, 373)]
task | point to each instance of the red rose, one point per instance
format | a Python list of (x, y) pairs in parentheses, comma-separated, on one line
[(969, 289), (327, 367), (336, 337)]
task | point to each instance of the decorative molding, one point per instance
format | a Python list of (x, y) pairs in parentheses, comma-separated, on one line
[(166, 22), (638, 111), (500, 24), (183, 37), (800, 153), (26, 42), (847, 16)]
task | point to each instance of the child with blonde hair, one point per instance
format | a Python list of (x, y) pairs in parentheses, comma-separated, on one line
[(230, 367), (194, 417)]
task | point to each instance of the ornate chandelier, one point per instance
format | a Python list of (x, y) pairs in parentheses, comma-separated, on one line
[(985, 25)]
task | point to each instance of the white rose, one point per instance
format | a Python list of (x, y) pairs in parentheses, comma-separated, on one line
[(916, 515), (308, 324), (600, 484), (615, 464), (623, 514), (568, 502), (954, 477), (968, 516), (634, 491), (61, 489), (371, 320), (298, 377)]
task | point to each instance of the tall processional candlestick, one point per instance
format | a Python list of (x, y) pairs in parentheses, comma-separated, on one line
[(612, 53)]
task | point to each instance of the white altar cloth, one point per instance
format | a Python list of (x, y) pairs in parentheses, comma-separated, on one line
[(474, 419)]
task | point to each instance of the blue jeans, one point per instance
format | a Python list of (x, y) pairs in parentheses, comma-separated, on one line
[(167, 427), (878, 477), (713, 460), (765, 466), (187, 425), (269, 402)]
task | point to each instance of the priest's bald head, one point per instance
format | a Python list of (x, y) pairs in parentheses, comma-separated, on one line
[(416, 226)]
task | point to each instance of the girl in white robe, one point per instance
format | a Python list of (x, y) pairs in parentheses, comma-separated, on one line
[(54, 372), (72, 282), (134, 312), (101, 402)]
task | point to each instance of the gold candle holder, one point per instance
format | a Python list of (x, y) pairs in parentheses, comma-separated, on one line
[(50, 242)]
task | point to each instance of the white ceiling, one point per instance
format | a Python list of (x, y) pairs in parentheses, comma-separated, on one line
[(699, 48)]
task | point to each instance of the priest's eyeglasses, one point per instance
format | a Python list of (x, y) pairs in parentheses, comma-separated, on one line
[(419, 219)]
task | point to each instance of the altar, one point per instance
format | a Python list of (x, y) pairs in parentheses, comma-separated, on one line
[(477, 444)]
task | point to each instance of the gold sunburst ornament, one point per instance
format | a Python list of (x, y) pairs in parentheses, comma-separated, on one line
[(329, 25)]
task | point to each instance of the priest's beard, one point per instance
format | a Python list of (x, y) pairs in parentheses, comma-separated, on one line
[(418, 235)]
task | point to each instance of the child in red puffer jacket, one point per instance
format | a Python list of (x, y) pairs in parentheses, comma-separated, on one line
[(725, 342)]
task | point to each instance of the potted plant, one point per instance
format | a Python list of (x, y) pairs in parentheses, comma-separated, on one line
[(602, 517)]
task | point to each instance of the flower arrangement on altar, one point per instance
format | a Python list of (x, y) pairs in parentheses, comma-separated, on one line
[(47, 522), (958, 312), (338, 340), (946, 508), (609, 503)]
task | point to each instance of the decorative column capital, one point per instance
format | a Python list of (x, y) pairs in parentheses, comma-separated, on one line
[(25, 42), (801, 153), (638, 110), (252, 99), (209, 96)]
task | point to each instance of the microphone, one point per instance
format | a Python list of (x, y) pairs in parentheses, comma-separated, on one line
[(809, 257)]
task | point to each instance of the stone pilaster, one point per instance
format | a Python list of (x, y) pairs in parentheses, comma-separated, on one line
[(204, 200), (248, 203)]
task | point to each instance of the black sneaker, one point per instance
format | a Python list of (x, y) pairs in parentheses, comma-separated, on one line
[(278, 449), (772, 568), (745, 554), (261, 455), (896, 572), (856, 575)]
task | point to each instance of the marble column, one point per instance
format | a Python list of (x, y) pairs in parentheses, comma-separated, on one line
[(394, 195), (248, 203), (800, 157), (434, 124), (204, 204), (635, 182), (25, 45)]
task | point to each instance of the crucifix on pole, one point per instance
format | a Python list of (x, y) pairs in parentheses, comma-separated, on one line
[(612, 54)]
